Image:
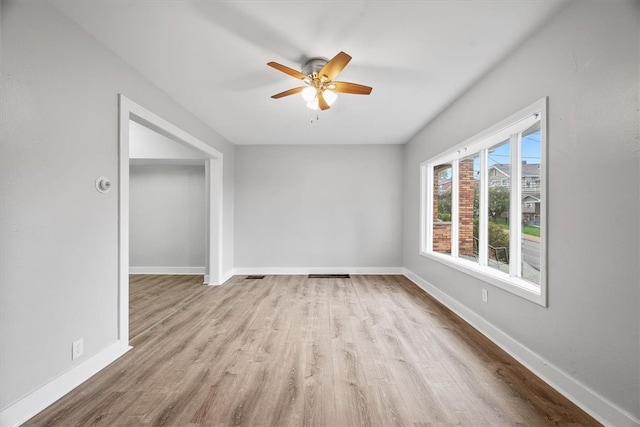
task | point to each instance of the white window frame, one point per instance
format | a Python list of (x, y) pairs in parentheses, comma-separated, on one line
[(510, 128)]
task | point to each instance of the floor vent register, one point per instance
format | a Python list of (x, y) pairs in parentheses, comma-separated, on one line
[(329, 276)]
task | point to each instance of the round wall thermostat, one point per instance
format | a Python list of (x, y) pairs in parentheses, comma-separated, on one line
[(103, 184)]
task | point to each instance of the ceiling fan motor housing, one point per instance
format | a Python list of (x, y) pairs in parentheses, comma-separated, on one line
[(314, 65)]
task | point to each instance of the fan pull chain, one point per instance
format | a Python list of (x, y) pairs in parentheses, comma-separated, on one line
[(317, 118)]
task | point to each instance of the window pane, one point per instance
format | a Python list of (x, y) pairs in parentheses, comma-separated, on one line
[(468, 209), (499, 175), (442, 208), (531, 156)]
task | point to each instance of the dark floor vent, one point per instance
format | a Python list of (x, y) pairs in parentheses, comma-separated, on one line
[(329, 276), (254, 277)]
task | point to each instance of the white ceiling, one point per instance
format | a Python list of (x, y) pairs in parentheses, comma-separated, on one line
[(211, 56)]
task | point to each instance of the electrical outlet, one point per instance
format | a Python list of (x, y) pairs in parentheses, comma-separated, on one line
[(77, 348), (485, 296)]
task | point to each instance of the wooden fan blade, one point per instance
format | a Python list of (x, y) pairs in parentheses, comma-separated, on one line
[(322, 103), (288, 92), (287, 70), (333, 67), (346, 87)]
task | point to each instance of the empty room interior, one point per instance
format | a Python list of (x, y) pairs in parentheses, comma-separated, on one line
[(320, 213)]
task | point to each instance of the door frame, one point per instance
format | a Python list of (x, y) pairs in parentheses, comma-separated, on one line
[(129, 110)]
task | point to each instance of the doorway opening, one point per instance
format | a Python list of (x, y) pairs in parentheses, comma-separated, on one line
[(167, 230), (132, 114)]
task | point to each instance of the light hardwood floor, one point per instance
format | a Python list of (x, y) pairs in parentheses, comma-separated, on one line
[(293, 351), (155, 298)]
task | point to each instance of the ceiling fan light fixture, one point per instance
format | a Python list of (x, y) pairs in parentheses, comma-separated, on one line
[(308, 93), (329, 96), (313, 104)]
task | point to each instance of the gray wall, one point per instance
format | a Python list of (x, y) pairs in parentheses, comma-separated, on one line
[(586, 61), (59, 254), (167, 217), (318, 206)]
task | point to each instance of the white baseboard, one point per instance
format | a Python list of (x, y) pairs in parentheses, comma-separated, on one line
[(38, 400), (187, 271), (226, 276), (318, 270), (591, 402)]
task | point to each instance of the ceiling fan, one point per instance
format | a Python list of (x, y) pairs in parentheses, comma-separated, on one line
[(318, 73)]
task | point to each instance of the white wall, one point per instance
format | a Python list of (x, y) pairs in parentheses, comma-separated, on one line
[(167, 219), (318, 206), (59, 254), (587, 61)]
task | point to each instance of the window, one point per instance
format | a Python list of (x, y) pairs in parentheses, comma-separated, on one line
[(484, 205)]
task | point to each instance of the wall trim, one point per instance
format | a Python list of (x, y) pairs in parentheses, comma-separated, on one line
[(318, 270), (226, 276), (33, 403), (195, 271), (590, 401)]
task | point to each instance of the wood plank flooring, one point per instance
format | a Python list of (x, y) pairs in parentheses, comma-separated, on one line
[(155, 298), (293, 351)]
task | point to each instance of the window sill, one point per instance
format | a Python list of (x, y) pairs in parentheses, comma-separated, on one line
[(514, 285)]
